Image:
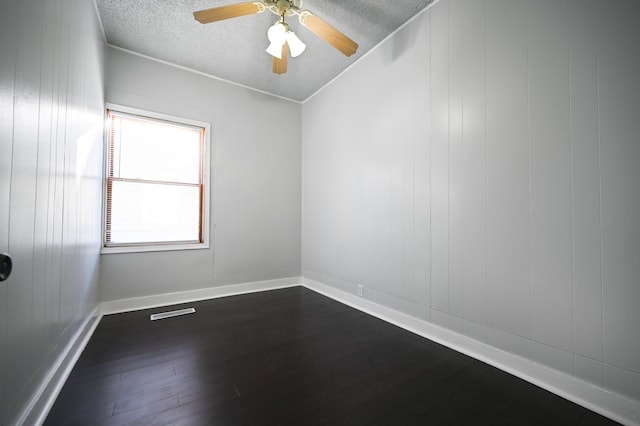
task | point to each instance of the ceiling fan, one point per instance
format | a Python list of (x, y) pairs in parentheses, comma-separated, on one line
[(282, 39)]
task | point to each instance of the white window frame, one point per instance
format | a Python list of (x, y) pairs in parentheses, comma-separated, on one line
[(206, 179)]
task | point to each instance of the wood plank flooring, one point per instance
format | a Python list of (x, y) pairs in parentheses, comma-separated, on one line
[(294, 357)]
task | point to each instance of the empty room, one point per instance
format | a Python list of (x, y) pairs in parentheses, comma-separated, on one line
[(319, 212)]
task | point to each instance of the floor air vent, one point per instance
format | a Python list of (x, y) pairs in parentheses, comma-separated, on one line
[(170, 314)]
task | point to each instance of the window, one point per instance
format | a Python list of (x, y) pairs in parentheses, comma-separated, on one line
[(156, 190)]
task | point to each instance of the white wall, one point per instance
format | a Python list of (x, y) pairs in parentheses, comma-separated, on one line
[(255, 198), (51, 121), (480, 171)]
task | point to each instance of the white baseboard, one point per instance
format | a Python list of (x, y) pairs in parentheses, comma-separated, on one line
[(614, 406), (40, 403), (146, 302), (609, 404)]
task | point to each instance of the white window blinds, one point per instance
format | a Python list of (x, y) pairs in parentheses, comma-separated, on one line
[(154, 187)]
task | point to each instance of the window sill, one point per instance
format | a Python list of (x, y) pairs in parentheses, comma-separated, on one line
[(153, 248)]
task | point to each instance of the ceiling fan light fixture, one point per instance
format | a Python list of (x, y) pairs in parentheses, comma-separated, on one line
[(296, 46), (283, 42)]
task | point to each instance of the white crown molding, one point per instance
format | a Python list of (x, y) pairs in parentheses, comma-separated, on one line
[(194, 71), (370, 51)]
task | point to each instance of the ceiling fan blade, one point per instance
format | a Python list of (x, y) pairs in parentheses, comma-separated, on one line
[(328, 33), (280, 65), (226, 12)]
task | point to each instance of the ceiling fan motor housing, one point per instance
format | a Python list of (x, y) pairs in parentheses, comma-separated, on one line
[(284, 6)]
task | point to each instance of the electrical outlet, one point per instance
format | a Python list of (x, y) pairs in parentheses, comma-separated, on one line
[(360, 290)]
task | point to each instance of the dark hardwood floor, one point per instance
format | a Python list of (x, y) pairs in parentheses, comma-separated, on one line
[(289, 356)]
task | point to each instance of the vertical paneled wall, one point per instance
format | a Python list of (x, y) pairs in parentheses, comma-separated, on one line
[(51, 109), (618, 65), (480, 170)]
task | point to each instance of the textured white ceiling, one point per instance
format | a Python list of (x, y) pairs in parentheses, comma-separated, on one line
[(234, 49)]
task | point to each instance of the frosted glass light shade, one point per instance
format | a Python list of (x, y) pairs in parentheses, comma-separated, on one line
[(275, 50), (277, 36), (296, 46), (277, 33)]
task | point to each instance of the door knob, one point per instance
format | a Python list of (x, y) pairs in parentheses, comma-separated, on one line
[(5, 266)]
